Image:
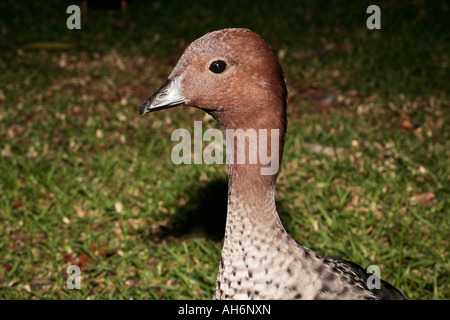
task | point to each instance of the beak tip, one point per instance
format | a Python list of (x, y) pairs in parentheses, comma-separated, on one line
[(143, 109)]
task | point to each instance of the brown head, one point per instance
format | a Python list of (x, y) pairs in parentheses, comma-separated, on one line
[(233, 75)]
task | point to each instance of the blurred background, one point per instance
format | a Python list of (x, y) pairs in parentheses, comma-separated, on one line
[(85, 181)]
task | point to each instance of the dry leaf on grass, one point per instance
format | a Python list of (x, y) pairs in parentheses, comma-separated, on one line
[(423, 198)]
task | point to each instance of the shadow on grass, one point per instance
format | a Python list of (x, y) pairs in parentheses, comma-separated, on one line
[(203, 215)]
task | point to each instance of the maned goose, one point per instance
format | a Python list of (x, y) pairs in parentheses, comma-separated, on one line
[(233, 75)]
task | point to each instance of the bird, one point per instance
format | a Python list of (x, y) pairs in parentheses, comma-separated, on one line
[(233, 75)]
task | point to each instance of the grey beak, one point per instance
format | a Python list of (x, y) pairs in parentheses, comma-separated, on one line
[(169, 95)]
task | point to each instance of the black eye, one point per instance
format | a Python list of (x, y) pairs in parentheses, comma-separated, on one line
[(218, 66)]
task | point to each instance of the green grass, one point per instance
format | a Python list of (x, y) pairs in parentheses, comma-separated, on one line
[(85, 180)]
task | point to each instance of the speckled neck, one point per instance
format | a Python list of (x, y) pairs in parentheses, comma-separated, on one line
[(254, 235)]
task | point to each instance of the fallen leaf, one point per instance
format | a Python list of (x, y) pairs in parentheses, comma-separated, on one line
[(119, 207), (13, 282), (315, 148), (8, 266), (18, 204), (27, 288), (99, 133), (14, 131), (83, 260), (151, 261), (423, 198), (68, 258), (77, 111), (118, 229), (102, 147), (406, 125), (422, 170), (109, 252)]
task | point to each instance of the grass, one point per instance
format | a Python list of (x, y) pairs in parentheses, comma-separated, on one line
[(86, 181)]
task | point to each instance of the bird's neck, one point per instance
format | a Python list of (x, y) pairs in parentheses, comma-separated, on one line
[(254, 234), (254, 160)]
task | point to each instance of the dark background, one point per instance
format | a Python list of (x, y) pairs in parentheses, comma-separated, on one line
[(410, 53)]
